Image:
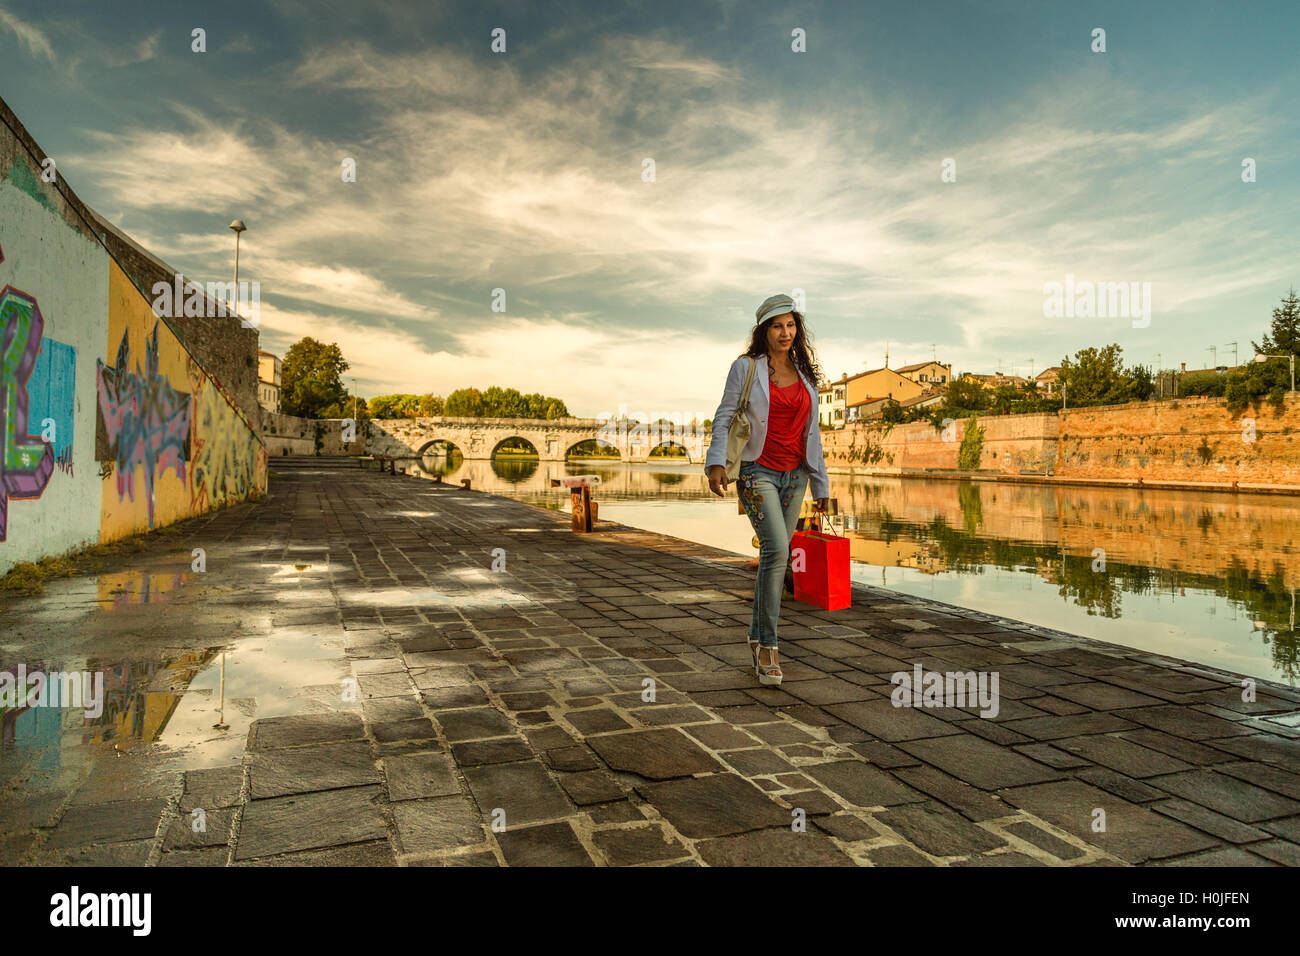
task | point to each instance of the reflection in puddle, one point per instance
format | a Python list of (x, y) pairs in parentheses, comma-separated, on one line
[(139, 587), (293, 670), (139, 699)]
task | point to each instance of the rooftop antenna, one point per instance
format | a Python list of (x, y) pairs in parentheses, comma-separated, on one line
[(1234, 353), (886, 353), (1214, 355)]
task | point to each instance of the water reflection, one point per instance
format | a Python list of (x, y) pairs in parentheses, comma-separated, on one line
[(1208, 577), (139, 699)]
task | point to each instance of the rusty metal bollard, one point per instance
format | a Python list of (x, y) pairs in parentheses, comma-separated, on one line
[(584, 509)]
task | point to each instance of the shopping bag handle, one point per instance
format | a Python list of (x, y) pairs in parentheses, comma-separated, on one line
[(824, 522)]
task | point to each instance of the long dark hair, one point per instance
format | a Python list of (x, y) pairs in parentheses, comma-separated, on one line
[(802, 353)]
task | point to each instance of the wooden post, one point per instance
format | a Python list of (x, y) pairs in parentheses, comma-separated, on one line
[(582, 508)]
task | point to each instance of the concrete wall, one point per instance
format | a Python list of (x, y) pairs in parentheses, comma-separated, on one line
[(111, 424), (288, 435), (1187, 440)]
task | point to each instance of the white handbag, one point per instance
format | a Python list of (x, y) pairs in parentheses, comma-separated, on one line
[(738, 430)]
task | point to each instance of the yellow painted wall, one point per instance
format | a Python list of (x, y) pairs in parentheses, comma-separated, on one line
[(221, 460)]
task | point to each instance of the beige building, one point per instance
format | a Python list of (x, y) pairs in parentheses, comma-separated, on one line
[(883, 383), (927, 374), (1046, 379), (859, 397), (268, 381)]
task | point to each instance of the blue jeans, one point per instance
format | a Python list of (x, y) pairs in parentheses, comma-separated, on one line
[(772, 500)]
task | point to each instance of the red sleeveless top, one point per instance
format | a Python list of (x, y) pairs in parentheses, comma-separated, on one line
[(787, 421)]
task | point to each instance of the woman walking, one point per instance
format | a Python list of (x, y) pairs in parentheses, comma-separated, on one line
[(783, 454)]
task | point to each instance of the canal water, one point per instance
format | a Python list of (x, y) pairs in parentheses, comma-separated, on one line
[(1203, 576)]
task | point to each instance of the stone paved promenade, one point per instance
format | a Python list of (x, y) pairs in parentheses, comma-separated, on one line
[(516, 696)]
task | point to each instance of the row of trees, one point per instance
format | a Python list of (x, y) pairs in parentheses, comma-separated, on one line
[(494, 402), (311, 386)]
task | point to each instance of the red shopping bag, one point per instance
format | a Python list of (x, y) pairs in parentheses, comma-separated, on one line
[(823, 580)]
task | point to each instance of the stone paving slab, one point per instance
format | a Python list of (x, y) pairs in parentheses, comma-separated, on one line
[(501, 716)]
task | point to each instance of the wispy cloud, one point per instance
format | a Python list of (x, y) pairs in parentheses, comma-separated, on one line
[(475, 173), (142, 52), (31, 37)]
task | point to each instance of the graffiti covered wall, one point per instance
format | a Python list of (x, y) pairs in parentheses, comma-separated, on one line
[(109, 424)]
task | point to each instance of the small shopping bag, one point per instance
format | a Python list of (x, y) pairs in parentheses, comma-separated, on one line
[(821, 569)]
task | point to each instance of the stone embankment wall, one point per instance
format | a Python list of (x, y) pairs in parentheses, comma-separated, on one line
[(1186, 441), (288, 435)]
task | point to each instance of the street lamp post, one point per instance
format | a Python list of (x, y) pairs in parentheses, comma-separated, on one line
[(238, 226), (1261, 357)]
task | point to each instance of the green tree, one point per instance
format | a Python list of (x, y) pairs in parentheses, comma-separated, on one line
[(1095, 377), (972, 443), (465, 403), (346, 407), (1141, 384), (1210, 384), (892, 413), (496, 402), (1006, 399), (311, 378), (400, 405), (504, 403), (1284, 335), (966, 396), (1257, 380)]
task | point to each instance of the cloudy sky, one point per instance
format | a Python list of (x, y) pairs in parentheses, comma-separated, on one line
[(774, 170)]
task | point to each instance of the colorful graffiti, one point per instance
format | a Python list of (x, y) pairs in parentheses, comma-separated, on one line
[(224, 463), (146, 422), (52, 397), (26, 461)]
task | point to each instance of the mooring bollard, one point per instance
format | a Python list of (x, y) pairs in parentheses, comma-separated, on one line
[(464, 483), (584, 509)]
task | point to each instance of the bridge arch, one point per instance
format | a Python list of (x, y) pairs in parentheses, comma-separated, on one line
[(553, 439)]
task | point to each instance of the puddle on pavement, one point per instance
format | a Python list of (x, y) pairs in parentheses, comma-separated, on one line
[(290, 671), (125, 588), (164, 708), (486, 597)]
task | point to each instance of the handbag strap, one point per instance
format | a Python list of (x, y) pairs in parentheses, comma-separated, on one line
[(743, 404)]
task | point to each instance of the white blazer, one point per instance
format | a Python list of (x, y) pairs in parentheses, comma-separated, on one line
[(756, 411)]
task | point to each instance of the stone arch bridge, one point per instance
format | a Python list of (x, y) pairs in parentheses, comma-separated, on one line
[(553, 438)]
